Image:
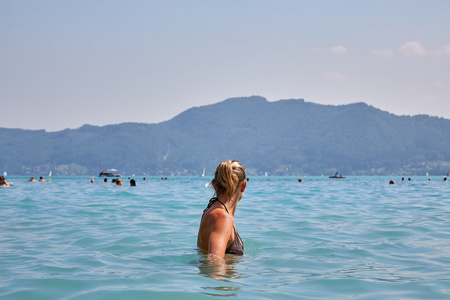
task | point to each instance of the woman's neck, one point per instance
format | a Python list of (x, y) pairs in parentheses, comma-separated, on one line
[(229, 202)]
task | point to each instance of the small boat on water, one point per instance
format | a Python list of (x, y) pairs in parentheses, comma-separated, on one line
[(109, 173), (337, 176)]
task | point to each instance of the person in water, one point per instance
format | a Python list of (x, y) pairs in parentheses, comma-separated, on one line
[(3, 181), (32, 179), (41, 179), (217, 234)]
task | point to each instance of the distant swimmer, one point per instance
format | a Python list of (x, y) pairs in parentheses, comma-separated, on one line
[(3, 182), (217, 234), (41, 179), (105, 180), (32, 179), (92, 180), (119, 182), (445, 178), (300, 180), (391, 181), (132, 182)]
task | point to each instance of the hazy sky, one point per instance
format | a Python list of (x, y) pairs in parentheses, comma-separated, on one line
[(68, 63)]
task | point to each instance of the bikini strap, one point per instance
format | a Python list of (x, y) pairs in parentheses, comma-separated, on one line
[(211, 202)]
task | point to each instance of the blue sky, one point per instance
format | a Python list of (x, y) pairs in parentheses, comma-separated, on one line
[(64, 64)]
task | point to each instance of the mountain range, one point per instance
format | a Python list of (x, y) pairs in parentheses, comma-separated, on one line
[(285, 137)]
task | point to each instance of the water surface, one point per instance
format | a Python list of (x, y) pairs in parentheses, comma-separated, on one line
[(357, 238)]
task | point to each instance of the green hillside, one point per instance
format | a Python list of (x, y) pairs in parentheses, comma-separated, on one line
[(287, 137)]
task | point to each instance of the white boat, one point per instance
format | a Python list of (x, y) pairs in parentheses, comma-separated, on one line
[(109, 173)]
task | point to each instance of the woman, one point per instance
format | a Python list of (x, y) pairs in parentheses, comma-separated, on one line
[(3, 181), (217, 234)]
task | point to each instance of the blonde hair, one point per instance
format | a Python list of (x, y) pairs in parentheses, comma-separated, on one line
[(229, 174)]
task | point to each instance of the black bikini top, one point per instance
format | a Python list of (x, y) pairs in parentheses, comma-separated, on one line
[(237, 246)]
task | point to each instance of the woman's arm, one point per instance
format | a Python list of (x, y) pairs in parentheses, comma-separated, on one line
[(220, 236)]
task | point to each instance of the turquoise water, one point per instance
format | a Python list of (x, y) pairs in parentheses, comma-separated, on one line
[(353, 238)]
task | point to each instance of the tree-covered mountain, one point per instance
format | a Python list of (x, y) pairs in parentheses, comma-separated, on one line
[(286, 137)]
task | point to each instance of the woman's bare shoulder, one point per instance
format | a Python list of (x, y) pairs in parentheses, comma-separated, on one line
[(219, 218)]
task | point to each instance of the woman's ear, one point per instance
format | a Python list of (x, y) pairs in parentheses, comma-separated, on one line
[(243, 185)]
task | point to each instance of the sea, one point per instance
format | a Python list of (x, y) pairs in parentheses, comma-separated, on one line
[(322, 238)]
